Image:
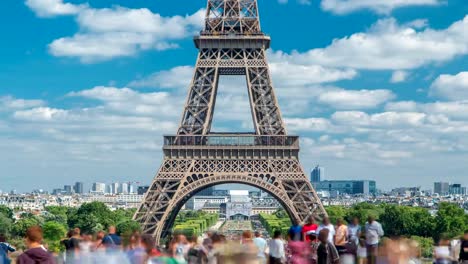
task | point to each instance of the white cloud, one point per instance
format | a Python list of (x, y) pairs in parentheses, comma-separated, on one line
[(50, 8), (355, 99), (399, 76), (378, 6), (176, 77), (308, 124), (389, 46), (452, 87), (9, 103), (289, 74), (108, 33)]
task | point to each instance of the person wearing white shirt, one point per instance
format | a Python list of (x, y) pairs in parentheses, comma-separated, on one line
[(276, 245), (374, 232), (327, 225)]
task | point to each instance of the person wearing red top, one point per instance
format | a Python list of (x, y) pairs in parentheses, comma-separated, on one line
[(310, 226)]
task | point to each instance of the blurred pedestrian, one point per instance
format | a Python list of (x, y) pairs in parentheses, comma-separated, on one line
[(261, 245), (464, 248), (276, 245), (299, 252), (313, 246), (341, 236), (354, 234), (373, 232), (331, 229), (112, 240), (326, 251), (295, 232), (309, 226), (36, 253), (442, 251), (137, 252), (5, 249)]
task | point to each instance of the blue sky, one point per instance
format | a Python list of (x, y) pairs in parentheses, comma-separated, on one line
[(376, 89)]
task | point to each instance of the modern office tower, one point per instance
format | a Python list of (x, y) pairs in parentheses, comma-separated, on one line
[(114, 188), (67, 189), (317, 174), (441, 188), (142, 190), (124, 188), (99, 187), (457, 189), (347, 187), (131, 188), (78, 188)]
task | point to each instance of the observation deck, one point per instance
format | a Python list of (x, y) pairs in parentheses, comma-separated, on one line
[(231, 146)]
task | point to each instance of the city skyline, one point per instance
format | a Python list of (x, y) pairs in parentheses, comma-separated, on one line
[(382, 103)]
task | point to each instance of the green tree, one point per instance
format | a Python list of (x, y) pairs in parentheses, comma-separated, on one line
[(450, 220), (7, 212), (91, 217), (336, 212), (53, 231), (21, 226), (128, 227), (6, 225), (363, 211)]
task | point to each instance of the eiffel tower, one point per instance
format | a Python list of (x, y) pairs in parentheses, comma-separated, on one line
[(231, 43)]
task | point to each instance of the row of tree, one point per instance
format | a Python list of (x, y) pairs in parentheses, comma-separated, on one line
[(450, 220), (194, 223), (277, 221), (57, 220)]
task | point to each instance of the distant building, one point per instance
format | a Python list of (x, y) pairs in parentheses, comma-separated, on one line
[(142, 190), (198, 202), (317, 174), (441, 188), (131, 188), (78, 188), (457, 189), (206, 192), (124, 188), (67, 189), (406, 191), (347, 187), (220, 192), (99, 187)]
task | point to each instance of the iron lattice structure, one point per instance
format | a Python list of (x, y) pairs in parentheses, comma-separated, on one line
[(231, 43)]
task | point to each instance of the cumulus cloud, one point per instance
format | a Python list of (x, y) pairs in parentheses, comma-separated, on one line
[(51, 8), (379, 6), (388, 45), (9, 103), (399, 76), (108, 33), (355, 99), (452, 87), (176, 77)]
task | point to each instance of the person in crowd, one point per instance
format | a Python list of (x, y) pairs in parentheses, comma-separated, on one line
[(217, 244), (276, 245), (97, 243), (309, 226), (179, 248), (298, 251), (249, 251), (354, 231), (5, 249), (195, 254), (313, 245), (326, 251), (327, 225), (414, 252), (112, 240), (341, 237), (442, 251), (373, 232), (261, 245), (36, 252), (295, 232), (361, 251), (136, 252), (148, 243), (463, 258), (86, 244)]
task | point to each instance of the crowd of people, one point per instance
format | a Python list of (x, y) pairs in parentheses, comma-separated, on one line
[(313, 243)]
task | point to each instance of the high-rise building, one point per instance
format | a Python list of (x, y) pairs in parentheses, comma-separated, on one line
[(67, 189), (347, 187), (114, 188), (142, 190), (441, 188), (78, 188), (317, 174), (131, 188), (124, 188), (206, 192), (457, 189), (99, 187)]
